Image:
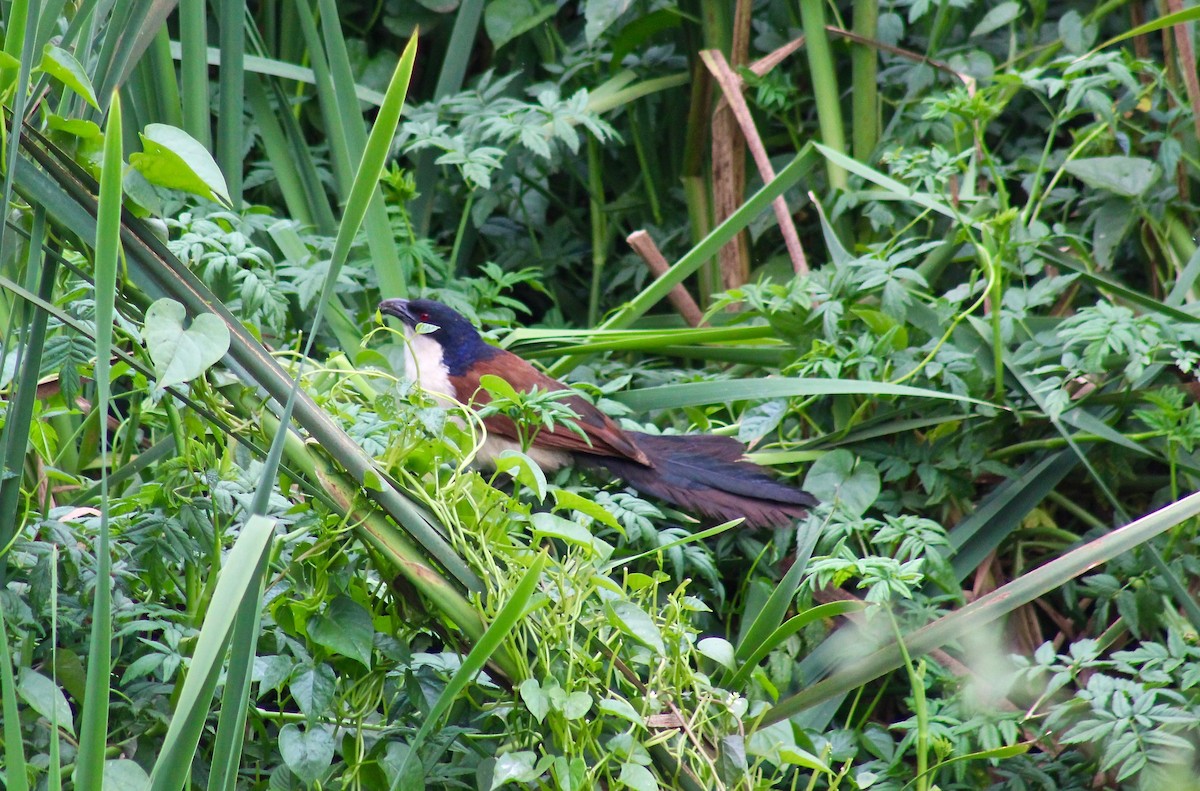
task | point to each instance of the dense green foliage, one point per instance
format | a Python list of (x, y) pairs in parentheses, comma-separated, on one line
[(969, 328)]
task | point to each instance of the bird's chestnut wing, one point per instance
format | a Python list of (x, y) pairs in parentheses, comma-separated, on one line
[(604, 437)]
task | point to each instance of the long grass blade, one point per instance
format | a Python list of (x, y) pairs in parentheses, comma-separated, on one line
[(89, 767), (14, 437), (704, 251), (856, 672), (230, 124), (240, 578), (193, 69), (720, 392), (13, 748), (513, 611)]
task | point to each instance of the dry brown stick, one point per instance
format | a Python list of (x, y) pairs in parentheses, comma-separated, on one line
[(731, 87), (644, 245)]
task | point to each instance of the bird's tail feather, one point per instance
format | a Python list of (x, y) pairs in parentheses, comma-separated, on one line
[(707, 474)]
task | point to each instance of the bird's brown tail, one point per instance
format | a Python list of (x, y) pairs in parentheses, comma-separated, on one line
[(707, 474)]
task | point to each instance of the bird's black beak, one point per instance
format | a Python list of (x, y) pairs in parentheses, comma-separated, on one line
[(399, 309)]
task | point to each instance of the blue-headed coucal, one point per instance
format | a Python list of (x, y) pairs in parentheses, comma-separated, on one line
[(696, 472)]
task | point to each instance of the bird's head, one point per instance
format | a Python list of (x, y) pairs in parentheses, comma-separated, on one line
[(460, 343)]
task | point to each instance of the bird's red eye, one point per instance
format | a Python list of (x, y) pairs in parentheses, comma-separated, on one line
[(423, 316)]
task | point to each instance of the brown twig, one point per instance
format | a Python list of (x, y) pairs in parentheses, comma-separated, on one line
[(644, 245), (731, 86)]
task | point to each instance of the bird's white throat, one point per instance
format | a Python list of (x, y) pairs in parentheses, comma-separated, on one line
[(423, 361)]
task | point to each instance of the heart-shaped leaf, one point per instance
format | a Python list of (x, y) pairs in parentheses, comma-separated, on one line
[(181, 355)]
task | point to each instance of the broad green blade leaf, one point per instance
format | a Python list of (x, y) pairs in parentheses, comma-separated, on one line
[(1163, 22), (785, 630), (232, 77), (174, 159), (62, 66), (273, 68), (1002, 511)]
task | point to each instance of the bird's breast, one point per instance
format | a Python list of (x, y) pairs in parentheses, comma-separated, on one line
[(494, 446)]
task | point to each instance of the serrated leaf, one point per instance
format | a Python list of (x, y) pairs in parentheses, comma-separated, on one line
[(181, 355), (174, 159), (345, 628)]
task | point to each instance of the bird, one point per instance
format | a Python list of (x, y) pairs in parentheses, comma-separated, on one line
[(698, 473)]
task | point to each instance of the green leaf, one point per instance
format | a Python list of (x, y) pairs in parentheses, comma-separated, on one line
[(515, 767), (181, 355), (1126, 176), (345, 628), (600, 15), (567, 500), (800, 757), (44, 697), (504, 20), (498, 387), (62, 66), (619, 707), (999, 16), (313, 689), (839, 477), (307, 752), (576, 705), (631, 620), (122, 774), (547, 525), (722, 392), (524, 469), (174, 159), (535, 698), (718, 649), (1076, 35), (637, 777), (516, 609)]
